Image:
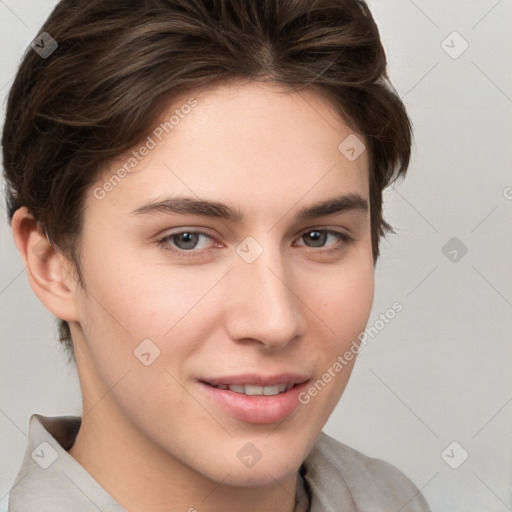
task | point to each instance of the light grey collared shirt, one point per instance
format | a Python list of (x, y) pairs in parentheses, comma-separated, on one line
[(333, 478)]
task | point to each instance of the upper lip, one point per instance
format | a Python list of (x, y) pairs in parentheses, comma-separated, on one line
[(257, 379)]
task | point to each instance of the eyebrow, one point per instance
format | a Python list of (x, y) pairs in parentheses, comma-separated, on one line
[(189, 205)]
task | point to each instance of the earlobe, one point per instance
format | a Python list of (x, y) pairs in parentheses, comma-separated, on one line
[(48, 270)]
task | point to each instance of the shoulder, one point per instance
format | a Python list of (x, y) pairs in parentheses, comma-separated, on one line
[(333, 468), (49, 478)]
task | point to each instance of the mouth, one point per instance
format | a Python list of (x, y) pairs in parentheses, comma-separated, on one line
[(255, 390), (254, 398)]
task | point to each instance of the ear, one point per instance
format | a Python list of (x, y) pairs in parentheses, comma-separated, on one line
[(50, 274)]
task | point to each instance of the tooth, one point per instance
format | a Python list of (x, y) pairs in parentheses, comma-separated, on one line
[(271, 390), (253, 390), (236, 388)]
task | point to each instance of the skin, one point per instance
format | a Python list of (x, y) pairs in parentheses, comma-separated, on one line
[(149, 435)]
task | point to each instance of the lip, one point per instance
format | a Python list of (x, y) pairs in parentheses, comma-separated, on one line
[(260, 409)]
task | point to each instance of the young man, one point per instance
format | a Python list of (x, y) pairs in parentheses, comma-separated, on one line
[(196, 189)]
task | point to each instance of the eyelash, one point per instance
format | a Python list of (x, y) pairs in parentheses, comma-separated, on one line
[(194, 253)]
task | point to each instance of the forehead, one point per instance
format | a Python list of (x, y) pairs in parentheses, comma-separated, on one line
[(253, 143)]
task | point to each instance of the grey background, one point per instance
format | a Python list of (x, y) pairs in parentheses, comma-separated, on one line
[(440, 371)]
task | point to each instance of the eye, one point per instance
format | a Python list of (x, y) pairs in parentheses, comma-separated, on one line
[(318, 238), (185, 241)]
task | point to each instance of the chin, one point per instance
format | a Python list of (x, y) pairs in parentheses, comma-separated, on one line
[(230, 469), (262, 474)]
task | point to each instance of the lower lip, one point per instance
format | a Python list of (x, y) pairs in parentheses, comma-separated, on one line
[(256, 409)]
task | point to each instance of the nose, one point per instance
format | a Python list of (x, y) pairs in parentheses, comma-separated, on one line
[(264, 305)]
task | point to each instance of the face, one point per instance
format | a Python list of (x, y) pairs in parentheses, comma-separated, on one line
[(224, 279)]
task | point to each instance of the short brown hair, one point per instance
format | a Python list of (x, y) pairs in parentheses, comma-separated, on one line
[(118, 62)]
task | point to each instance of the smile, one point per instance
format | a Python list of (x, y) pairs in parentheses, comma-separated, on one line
[(255, 390)]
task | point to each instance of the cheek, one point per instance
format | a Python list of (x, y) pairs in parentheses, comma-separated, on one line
[(344, 301), (141, 299), (358, 298), (343, 307)]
